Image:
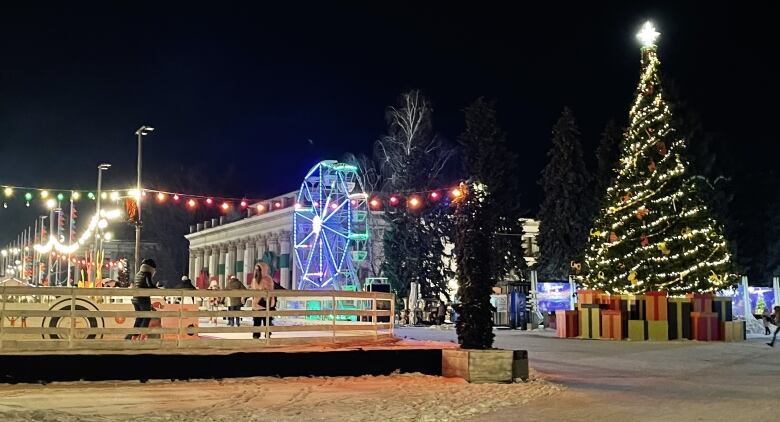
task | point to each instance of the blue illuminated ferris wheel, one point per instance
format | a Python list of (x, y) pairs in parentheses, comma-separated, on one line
[(330, 229)]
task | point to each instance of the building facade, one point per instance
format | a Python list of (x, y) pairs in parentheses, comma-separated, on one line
[(220, 249)]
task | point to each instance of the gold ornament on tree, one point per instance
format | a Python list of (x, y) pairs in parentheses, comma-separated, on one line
[(575, 267), (641, 212), (632, 278), (651, 166), (663, 248)]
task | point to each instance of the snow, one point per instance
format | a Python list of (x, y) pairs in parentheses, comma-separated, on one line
[(571, 380)]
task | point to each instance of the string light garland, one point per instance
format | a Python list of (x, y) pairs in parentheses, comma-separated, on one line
[(654, 232)]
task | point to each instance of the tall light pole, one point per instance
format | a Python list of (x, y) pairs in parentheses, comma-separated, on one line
[(98, 237), (141, 132)]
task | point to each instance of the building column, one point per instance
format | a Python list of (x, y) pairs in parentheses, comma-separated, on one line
[(249, 261), (239, 265), (273, 246), (230, 261), (192, 266), (222, 252), (260, 246), (295, 269), (284, 259), (198, 266), (213, 264)]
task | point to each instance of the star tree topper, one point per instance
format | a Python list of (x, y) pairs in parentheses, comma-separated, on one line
[(647, 35)]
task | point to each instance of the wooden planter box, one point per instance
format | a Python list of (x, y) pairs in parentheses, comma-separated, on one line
[(485, 366)]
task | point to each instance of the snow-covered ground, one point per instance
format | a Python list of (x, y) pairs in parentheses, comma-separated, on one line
[(644, 381), (582, 380)]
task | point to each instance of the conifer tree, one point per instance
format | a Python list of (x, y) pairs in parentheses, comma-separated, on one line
[(565, 212), (607, 157), (654, 231)]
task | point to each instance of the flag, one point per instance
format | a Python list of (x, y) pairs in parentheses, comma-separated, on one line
[(72, 222)]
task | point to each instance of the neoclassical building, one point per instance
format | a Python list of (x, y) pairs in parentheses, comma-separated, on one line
[(219, 249)]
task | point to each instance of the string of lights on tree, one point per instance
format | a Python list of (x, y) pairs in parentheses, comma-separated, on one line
[(655, 232)]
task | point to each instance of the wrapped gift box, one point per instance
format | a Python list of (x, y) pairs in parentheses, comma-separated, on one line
[(611, 302), (637, 330), (588, 296), (732, 330), (658, 330), (656, 306), (679, 314), (590, 320), (634, 305), (567, 324), (702, 302), (704, 326), (722, 306), (612, 324)]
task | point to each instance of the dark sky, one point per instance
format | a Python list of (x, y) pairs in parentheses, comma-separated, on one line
[(236, 90)]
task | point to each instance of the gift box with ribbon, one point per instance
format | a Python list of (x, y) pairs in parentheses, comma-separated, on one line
[(656, 306), (721, 305), (588, 296), (637, 330), (732, 330), (702, 302), (612, 324), (679, 314), (634, 305), (658, 330), (567, 324), (610, 302), (590, 320), (704, 326)]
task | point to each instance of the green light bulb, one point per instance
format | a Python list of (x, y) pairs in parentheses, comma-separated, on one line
[(60, 197), (91, 195), (28, 196)]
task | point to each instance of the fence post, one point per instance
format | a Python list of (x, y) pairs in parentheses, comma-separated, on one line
[(392, 314), (72, 317), (333, 314), (2, 317), (267, 317), (181, 307), (373, 316)]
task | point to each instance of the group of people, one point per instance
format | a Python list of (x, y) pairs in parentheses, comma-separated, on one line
[(260, 281)]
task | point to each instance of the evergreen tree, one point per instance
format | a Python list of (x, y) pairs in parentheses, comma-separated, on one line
[(484, 253), (655, 231), (607, 157), (411, 158), (565, 212), (473, 256)]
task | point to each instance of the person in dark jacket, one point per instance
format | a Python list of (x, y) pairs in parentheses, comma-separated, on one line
[(235, 303), (186, 283), (143, 280)]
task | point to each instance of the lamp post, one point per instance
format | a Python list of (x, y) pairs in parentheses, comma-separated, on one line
[(141, 132), (98, 238)]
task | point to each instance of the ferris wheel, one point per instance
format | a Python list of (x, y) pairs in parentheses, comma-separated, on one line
[(330, 228)]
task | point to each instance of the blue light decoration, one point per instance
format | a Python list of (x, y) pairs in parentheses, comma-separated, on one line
[(330, 230)]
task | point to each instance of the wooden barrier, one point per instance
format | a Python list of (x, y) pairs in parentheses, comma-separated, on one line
[(100, 318)]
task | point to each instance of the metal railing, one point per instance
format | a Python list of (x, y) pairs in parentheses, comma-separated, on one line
[(101, 318)]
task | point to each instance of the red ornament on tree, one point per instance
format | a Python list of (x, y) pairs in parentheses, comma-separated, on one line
[(641, 212), (613, 237), (660, 146), (644, 240)]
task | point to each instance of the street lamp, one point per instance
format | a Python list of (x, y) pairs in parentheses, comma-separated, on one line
[(98, 199), (141, 132)]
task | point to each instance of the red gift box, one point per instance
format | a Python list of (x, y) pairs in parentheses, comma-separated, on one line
[(612, 324), (656, 306), (588, 296), (704, 326), (567, 324), (702, 302), (612, 302)]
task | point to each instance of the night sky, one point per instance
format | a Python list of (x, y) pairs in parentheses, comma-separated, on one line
[(251, 95)]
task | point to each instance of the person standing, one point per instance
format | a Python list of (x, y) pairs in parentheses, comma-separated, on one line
[(143, 280), (235, 303), (441, 312), (263, 282), (765, 316), (776, 318)]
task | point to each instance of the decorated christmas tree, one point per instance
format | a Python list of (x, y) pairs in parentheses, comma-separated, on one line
[(654, 231)]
